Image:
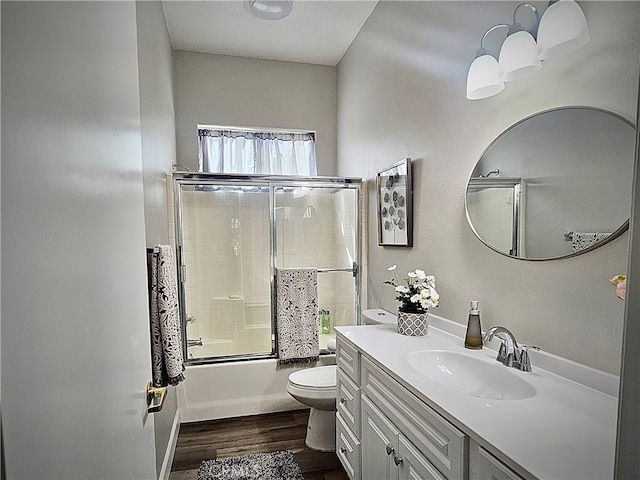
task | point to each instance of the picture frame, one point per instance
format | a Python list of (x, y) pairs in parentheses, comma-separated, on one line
[(394, 192)]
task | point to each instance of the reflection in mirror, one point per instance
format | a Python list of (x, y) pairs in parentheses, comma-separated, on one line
[(494, 204), (555, 184)]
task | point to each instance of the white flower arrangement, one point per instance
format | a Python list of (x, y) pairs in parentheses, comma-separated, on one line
[(418, 294)]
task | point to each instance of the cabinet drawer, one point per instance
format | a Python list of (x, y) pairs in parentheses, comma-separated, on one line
[(489, 467), (348, 401), (438, 440), (347, 449), (348, 359)]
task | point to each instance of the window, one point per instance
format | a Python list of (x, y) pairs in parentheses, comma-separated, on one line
[(228, 150)]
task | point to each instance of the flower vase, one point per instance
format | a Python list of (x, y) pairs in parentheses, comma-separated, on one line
[(413, 324)]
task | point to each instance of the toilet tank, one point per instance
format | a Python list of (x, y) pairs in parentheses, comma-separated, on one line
[(376, 316)]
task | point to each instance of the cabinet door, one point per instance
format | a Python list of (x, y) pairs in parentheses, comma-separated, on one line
[(440, 441), (493, 469), (413, 465), (379, 444)]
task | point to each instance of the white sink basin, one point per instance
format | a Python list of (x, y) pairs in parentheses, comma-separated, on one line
[(469, 375)]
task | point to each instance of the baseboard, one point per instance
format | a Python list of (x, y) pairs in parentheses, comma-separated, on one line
[(171, 448)]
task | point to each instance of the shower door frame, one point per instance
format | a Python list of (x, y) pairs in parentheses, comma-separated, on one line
[(272, 182), (513, 184)]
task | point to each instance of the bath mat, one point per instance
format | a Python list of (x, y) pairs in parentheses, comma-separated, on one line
[(260, 466)]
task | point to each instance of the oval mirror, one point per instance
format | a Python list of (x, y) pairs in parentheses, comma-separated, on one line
[(555, 184)]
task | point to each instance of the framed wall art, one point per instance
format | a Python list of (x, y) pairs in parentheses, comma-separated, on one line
[(395, 209)]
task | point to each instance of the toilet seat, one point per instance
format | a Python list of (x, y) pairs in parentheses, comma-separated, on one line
[(315, 378)]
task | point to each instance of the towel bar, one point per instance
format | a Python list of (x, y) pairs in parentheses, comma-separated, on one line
[(353, 269)]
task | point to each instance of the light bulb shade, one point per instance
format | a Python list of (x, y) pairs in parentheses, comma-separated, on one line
[(482, 79), (563, 29), (518, 57)]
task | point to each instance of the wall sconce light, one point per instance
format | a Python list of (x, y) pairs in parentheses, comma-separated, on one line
[(483, 79), (519, 52), (561, 30)]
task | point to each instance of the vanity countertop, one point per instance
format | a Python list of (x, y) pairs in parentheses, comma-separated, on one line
[(566, 431)]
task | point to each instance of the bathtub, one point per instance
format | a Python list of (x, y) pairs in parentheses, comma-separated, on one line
[(234, 389), (214, 347), (210, 347)]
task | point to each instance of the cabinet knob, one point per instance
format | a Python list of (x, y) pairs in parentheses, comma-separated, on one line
[(389, 449), (343, 400), (397, 460), (343, 450)]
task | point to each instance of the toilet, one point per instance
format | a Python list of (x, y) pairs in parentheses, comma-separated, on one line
[(316, 387), (377, 316)]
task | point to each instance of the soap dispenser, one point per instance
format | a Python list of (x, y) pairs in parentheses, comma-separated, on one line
[(473, 338)]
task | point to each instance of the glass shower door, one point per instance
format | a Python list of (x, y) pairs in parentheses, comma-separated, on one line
[(494, 207), (225, 250), (232, 233), (317, 226)]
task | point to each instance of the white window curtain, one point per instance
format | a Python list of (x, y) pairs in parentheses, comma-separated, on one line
[(232, 151)]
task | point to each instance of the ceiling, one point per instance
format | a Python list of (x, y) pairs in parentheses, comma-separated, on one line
[(316, 31)]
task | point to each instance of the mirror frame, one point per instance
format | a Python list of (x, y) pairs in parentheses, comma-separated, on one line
[(615, 234)]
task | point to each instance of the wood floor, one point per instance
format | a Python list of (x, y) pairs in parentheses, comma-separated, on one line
[(255, 434)]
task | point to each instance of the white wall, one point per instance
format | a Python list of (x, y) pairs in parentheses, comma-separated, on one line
[(75, 336), (157, 116), (235, 91), (157, 121), (401, 93)]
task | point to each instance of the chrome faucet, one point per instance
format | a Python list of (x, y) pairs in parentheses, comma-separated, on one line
[(510, 354), (194, 343)]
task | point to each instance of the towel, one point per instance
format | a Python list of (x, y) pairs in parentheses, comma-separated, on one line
[(166, 337), (296, 312), (583, 240)]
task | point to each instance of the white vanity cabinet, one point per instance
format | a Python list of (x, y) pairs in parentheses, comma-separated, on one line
[(398, 420), (385, 432)]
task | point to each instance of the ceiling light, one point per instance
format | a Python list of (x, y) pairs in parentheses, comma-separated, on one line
[(271, 9)]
